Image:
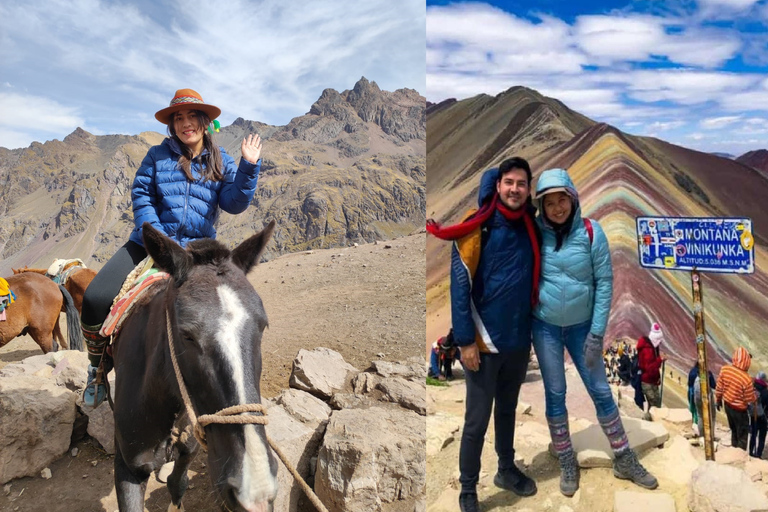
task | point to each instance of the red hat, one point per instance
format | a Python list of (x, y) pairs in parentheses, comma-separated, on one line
[(186, 99)]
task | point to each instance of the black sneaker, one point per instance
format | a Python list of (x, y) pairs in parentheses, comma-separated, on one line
[(468, 502), (516, 481)]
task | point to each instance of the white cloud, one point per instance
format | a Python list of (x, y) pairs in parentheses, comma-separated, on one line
[(27, 112), (715, 123), (697, 136), (262, 60), (664, 126)]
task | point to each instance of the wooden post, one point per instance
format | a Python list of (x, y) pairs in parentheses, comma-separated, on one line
[(701, 345)]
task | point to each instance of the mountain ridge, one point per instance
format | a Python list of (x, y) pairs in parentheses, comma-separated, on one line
[(325, 186)]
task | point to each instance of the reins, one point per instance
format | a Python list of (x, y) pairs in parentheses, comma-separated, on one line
[(230, 415)]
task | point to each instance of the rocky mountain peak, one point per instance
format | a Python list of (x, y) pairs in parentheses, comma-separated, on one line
[(79, 135)]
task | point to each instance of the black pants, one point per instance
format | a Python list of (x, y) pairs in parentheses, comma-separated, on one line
[(757, 432), (98, 298), (738, 421), (498, 379)]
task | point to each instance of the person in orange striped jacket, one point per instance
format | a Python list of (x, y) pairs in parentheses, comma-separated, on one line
[(734, 387)]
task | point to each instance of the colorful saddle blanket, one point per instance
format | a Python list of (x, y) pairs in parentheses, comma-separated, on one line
[(125, 301), (6, 297)]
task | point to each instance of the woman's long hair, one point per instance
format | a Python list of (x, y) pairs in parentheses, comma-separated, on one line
[(211, 161)]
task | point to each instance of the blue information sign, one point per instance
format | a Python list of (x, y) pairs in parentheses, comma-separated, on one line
[(707, 244)]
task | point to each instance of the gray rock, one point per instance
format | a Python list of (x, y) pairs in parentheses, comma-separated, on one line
[(411, 395), (101, 426), (321, 371), (407, 370), (303, 406), (718, 488), (299, 442), (363, 383), (369, 457), (349, 401), (35, 424)]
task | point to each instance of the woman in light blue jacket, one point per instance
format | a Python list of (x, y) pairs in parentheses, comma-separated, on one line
[(572, 313)]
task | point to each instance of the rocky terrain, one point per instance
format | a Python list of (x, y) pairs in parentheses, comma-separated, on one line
[(666, 446), (619, 177), (363, 304), (350, 170)]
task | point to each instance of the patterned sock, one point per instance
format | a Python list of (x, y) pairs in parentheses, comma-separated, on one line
[(614, 431), (561, 436), (95, 342)]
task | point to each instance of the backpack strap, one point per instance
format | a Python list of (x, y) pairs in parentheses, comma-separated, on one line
[(590, 232)]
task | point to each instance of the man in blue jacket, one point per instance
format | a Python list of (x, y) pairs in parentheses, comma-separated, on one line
[(495, 266)]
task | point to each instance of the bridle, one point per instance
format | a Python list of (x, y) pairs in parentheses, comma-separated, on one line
[(231, 416), (228, 415)]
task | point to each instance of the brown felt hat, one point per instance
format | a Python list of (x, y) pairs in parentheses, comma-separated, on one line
[(186, 99)]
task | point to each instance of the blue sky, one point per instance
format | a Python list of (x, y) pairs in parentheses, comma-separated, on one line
[(692, 72), (109, 65)]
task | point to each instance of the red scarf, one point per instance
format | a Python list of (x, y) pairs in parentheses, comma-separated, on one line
[(484, 213)]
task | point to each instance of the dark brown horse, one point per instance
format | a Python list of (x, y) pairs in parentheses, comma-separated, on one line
[(36, 312), (75, 285)]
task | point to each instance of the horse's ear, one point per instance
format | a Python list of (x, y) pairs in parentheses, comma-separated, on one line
[(168, 255), (246, 255)]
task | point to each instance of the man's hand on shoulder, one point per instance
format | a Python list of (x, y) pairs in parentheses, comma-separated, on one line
[(470, 357)]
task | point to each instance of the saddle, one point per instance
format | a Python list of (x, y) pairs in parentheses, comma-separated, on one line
[(60, 269), (137, 286)]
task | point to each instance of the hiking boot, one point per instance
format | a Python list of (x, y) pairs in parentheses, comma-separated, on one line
[(569, 473), (516, 481), (468, 502), (94, 394), (627, 467)]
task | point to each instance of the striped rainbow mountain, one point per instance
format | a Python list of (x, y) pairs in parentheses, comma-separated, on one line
[(619, 177)]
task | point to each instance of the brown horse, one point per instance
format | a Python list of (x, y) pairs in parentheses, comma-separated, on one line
[(75, 285), (36, 312)]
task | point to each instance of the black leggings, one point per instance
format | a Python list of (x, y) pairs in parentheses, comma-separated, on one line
[(98, 298)]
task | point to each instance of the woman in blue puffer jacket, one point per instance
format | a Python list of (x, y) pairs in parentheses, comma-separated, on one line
[(180, 187), (572, 313)]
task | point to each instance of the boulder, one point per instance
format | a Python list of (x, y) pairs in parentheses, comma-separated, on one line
[(101, 426), (441, 431), (320, 371), (363, 383), (676, 416), (731, 456), (757, 469), (299, 442), (303, 406), (70, 370), (411, 395), (407, 370), (631, 501), (371, 456), (679, 461), (35, 424), (593, 450), (718, 488), (349, 401)]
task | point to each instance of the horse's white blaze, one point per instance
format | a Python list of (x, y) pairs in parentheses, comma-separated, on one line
[(258, 484), (230, 325)]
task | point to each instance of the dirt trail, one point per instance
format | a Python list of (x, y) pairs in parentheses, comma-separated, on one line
[(360, 301)]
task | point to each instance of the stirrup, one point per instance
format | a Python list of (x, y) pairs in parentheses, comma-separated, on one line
[(95, 391)]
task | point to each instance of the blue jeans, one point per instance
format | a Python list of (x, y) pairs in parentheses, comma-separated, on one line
[(549, 342)]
